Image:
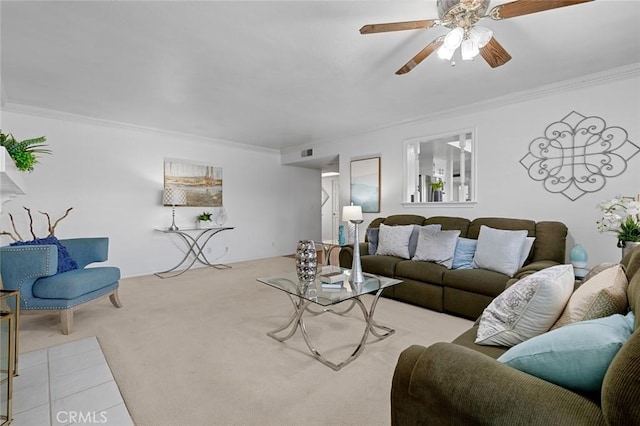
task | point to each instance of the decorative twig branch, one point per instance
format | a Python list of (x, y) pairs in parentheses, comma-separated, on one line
[(13, 225), (52, 228), (30, 222), (13, 237)]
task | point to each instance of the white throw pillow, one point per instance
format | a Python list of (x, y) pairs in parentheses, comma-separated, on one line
[(526, 249), (394, 240), (526, 309), (436, 246), (499, 250)]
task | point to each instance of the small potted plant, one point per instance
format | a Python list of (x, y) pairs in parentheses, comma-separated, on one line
[(23, 153), (436, 190), (203, 220), (621, 215)]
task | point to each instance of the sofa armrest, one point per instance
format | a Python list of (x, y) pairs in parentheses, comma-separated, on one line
[(21, 266), (87, 250), (452, 384)]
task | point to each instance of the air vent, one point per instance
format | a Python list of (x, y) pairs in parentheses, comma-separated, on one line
[(306, 153)]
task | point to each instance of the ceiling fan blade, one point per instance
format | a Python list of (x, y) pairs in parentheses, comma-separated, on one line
[(525, 7), (398, 26), (494, 53), (431, 47)]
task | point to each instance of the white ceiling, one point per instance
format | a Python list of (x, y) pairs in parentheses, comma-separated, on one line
[(277, 74)]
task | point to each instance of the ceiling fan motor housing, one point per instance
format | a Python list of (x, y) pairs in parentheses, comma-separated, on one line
[(461, 13)]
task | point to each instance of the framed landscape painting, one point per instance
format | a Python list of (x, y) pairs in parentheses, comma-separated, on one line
[(201, 183), (365, 184)]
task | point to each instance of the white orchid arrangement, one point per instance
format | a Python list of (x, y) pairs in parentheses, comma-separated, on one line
[(622, 216)]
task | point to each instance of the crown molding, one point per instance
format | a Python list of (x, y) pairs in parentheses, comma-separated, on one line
[(77, 118), (603, 77), (607, 76)]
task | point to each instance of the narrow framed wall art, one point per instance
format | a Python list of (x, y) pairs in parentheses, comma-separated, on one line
[(365, 184)]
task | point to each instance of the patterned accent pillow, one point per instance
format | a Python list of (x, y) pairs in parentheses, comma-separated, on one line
[(526, 309), (394, 240), (436, 246), (603, 295)]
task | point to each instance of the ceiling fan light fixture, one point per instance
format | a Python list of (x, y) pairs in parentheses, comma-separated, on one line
[(480, 36), (454, 38), (445, 53), (468, 50)]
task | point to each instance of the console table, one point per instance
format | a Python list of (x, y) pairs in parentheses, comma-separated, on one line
[(195, 239)]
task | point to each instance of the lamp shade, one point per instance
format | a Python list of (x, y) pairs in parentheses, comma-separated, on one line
[(351, 213), (174, 197)]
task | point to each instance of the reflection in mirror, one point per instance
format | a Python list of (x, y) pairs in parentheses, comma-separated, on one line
[(440, 168)]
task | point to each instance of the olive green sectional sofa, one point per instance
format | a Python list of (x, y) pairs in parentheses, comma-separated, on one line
[(463, 383), (462, 292)]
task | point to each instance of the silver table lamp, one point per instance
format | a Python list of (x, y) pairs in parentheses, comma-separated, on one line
[(353, 214), (174, 197)]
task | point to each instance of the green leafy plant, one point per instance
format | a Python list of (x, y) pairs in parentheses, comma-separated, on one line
[(437, 186), (204, 216), (629, 231), (23, 153)]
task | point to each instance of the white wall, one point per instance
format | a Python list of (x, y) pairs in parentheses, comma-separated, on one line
[(113, 177), (503, 136)]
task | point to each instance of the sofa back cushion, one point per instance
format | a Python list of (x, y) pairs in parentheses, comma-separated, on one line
[(550, 242), (501, 223), (450, 223), (403, 219)]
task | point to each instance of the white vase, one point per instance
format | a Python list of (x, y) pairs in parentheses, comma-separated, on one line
[(220, 216)]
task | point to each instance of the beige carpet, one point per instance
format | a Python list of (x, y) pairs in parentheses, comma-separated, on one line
[(193, 350)]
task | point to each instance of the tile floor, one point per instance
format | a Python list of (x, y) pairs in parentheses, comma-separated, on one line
[(67, 384)]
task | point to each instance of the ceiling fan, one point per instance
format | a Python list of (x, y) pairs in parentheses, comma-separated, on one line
[(461, 16)]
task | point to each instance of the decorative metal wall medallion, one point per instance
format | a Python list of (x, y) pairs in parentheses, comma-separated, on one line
[(577, 154)]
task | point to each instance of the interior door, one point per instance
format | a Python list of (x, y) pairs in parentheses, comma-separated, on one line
[(335, 209)]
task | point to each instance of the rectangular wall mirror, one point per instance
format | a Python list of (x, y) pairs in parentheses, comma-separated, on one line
[(440, 168)]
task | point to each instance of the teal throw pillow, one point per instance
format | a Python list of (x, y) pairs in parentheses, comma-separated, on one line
[(463, 256), (575, 356)]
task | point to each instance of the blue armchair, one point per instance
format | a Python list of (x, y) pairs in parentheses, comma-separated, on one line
[(33, 270)]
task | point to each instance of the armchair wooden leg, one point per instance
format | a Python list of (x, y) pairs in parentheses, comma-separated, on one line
[(66, 320), (115, 300)]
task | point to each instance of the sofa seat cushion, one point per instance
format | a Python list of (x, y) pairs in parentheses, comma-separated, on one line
[(428, 272), (482, 281), (75, 283), (379, 265)]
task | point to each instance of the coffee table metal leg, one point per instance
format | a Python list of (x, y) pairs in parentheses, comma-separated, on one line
[(298, 322), (298, 310)]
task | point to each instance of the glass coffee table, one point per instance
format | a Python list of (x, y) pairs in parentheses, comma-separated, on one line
[(304, 296)]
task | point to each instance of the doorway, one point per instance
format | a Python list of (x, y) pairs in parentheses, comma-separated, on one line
[(331, 201)]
